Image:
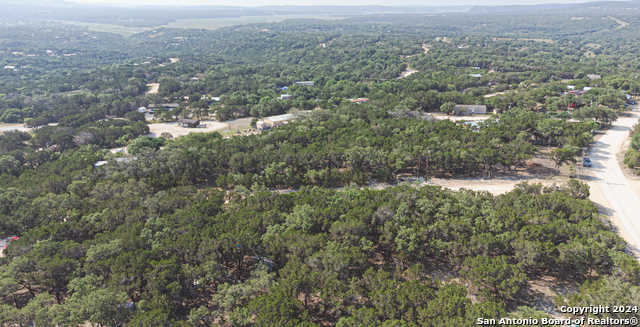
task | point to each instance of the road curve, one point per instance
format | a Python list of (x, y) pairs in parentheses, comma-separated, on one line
[(610, 188)]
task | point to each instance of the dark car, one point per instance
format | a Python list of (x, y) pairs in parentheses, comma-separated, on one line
[(586, 162)]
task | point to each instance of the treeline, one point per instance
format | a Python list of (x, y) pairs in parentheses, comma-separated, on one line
[(350, 145), (632, 156), (118, 253)]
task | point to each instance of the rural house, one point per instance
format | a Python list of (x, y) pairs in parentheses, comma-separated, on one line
[(189, 123), (275, 121), (305, 83), (469, 109)]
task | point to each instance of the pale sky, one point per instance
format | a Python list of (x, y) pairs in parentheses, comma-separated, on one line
[(322, 2)]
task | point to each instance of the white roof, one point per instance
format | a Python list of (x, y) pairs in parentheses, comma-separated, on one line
[(281, 117)]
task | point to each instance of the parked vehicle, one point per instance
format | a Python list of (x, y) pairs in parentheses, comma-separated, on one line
[(586, 162), (5, 241)]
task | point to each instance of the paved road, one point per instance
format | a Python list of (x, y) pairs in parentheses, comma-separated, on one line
[(611, 189)]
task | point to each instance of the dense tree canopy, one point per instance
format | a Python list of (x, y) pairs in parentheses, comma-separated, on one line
[(281, 228)]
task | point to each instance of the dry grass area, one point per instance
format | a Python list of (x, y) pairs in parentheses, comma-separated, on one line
[(229, 128), (153, 88)]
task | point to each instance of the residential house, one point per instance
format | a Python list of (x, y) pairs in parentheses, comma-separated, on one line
[(470, 109), (275, 121), (189, 123), (305, 83)]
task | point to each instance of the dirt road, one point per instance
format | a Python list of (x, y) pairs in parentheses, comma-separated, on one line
[(610, 188), (13, 127)]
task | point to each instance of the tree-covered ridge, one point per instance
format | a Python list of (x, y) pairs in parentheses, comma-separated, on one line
[(350, 144), (278, 228)]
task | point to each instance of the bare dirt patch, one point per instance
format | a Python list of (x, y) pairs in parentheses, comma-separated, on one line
[(176, 131), (153, 88)]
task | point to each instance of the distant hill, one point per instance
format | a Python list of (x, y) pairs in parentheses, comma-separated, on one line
[(557, 8), (150, 16)]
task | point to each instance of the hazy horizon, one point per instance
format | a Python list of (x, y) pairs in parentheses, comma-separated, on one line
[(305, 2)]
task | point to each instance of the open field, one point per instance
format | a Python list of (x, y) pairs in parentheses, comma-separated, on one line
[(408, 72), (215, 23), (204, 23), (108, 28)]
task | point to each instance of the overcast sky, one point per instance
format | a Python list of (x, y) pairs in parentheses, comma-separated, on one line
[(322, 2)]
